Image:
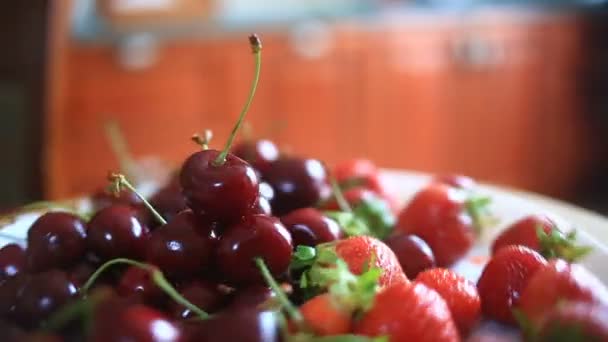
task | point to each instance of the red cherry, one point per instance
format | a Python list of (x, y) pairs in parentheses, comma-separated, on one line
[(181, 247), (203, 294), (117, 231), (102, 198), (309, 227), (259, 153), (138, 282), (256, 236), (251, 296), (413, 253), (297, 183), (169, 201), (249, 325), (12, 261)]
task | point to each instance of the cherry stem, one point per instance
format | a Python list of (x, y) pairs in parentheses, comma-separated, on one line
[(119, 147), (204, 140), (256, 47), (340, 199), (291, 309), (119, 181), (78, 309), (158, 278)]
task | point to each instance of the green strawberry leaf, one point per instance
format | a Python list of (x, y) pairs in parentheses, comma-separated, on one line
[(303, 257), (478, 208), (335, 338), (557, 245), (377, 215), (351, 224)]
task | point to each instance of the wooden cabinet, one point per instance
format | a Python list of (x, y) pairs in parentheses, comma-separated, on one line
[(496, 99)]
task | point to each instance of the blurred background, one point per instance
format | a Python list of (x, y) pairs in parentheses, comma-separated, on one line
[(509, 92)]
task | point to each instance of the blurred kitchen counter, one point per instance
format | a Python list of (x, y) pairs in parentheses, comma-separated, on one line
[(502, 93)]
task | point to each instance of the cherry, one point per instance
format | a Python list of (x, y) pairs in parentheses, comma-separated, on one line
[(256, 236), (262, 205), (80, 272), (103, 198), (169, 200), (12, 261), (117, 231), (251, 296), (11, 332), (220, 185), (309, 227), (203, 294), (259, 153), (115, 321), (249, 325), (55, 239), (41, 295), (138, 282), (297, 183), (413, 253), (181, 247), (9, 291)]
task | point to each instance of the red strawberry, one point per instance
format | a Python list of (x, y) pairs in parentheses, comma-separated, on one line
[(358, 173), (446, 218), (409, 312), (559, 281), (504, 278), (324, 317), (358, 251), (459, 293), (575, 321)]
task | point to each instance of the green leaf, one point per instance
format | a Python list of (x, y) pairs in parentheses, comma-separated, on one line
[(304, 256), (351, 224), (477, 208), (557, 245), (377, 215)]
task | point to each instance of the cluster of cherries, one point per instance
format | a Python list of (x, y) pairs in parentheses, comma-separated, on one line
[(186, 253)]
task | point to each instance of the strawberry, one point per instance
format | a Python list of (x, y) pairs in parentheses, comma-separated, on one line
[(504, 278), (358, 173), (559, 281), (540, 233), (459, 293), (447, 218), (324, 316), (575, 321), (409, 312)]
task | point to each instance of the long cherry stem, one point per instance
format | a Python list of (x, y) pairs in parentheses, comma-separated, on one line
[(158, 278), (256, 47), (289, 307), (119, 181), (204, 140)]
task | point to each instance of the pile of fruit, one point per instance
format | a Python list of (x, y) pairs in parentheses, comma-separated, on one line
[(246, 244)]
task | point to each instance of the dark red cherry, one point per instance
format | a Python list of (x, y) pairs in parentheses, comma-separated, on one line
[(56, 239), (41, 295), (221, 192), (181, 247), (12, 261), (169, 201), (81, 272), (297, 183), (9, 291), (262, 206), (413, 253), (119, 322), (117, 231), (259, 153), (102, 198), (205, 295), (309, 227), (12, 332), (138, 282), (256, 236), (252, 296), (247, 325)]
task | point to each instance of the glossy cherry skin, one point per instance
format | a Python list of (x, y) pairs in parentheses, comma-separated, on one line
[(55, 239), (247, 325), (223, 193), (309, 227), (117, 231), (262, 205), (12, 261), (9, 291), (169, 201), (102, 198), (256, 236), (297, 183), (259, 153), (205, 295), (41, 295), (252, 296), (118, 322), (413, 253), (138, 282), (182, 247)]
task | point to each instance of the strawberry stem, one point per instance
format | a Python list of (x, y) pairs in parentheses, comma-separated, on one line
[(289, 307), (256, 47), (158, 278), (119, 181)]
